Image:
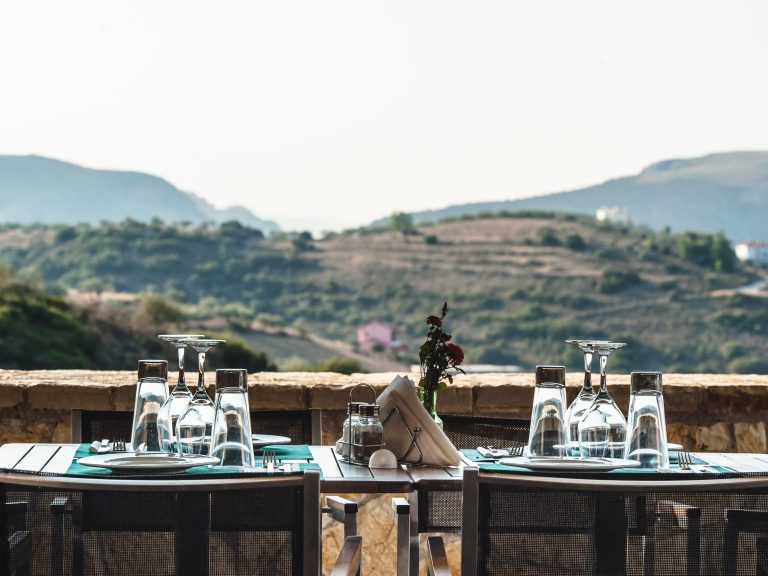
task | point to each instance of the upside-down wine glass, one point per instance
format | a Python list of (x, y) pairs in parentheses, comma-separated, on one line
[(603, 428), (180, 397), (583, 399), (193, 428)]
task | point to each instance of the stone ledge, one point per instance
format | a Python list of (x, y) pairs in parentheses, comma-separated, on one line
[(712, 411)]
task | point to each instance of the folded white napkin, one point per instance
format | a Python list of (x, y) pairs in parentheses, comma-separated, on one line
[(436, 448)]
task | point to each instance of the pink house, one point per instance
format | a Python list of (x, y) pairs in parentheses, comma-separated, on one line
[(373, 333)]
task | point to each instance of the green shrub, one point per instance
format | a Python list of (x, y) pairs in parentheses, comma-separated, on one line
[(613, 281), (575, 242), (340, 365)]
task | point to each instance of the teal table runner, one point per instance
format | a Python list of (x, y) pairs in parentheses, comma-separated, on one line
[(283, 452), (492, 465)]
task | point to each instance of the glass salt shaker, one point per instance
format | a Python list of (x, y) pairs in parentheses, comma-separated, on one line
[(346, 429)]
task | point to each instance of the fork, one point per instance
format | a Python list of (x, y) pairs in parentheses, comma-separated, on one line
[(516, 451), (684, 461), (118, 446), (269, 459)]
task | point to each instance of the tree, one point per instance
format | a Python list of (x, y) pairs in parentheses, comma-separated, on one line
[(402, 222)]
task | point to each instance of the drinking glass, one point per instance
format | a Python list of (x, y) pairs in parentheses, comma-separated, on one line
[(193, 428), (603, 428), (583, 399), (547, 435), (231, 440), (647, 429), (151, 394), (180, 397)]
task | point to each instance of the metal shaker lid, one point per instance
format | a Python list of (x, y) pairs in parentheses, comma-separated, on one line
[(153, 369), (550, 375), (645, 382), (368, 410), (232, 378)]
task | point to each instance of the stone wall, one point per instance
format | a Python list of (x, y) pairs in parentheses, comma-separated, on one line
[(704, 412)]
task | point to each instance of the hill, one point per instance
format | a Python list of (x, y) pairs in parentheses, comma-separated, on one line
[(517, 285), (34, 189), (727, 192)]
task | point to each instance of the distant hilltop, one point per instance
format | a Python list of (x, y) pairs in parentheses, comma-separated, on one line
[(34, 189), (720, 192)]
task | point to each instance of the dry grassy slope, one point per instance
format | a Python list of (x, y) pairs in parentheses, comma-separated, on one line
[(497, 274)]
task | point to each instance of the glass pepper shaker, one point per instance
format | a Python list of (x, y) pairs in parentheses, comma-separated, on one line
[(367, 434), (346, 429)]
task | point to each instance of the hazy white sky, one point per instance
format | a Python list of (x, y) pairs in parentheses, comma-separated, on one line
[(327, 114)]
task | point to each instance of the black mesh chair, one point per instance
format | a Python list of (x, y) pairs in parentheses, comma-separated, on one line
[(301, 426), (474, 431), (439, 511), (18, 551), (174, 526), (532, 524)]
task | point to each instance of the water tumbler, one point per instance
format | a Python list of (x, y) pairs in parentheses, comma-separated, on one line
[(548, 434), (231, 440), (151, 394), (647, 429)]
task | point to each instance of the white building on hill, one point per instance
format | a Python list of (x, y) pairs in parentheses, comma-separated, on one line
[(753, 251)]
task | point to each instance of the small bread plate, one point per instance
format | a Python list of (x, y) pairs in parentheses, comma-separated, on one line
[(570, 464), (260, 440), (133, 462)]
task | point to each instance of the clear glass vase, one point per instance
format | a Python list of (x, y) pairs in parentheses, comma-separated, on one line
[(429, 401)]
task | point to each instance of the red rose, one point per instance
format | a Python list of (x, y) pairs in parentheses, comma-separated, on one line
[(446, 337), (455, 354), (434, 321)]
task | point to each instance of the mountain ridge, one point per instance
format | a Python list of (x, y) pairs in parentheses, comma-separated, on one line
[(725, 191), (37, 189)]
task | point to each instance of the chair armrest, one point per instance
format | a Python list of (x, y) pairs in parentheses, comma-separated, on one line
[(437, 559), (676, 513), (343, 511), (402, 511), (348, 561), (19, 549)]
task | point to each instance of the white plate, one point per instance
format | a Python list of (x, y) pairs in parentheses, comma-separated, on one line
[(674, 447), (570, 464), (260, 440), (132, 462)]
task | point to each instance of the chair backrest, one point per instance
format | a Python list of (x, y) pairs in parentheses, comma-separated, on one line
[(175, 526), (472, 431), (533, 524), (301, 426), (440, 510)]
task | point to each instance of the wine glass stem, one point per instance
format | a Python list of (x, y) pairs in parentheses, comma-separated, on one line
[(588, 370), (201, 372), (180, 354), (603, 382)]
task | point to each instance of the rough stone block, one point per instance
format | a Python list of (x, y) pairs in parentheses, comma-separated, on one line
[(455, 400), (124, 397), (750, 437), (682, 434), (680, 400), (11, 395), (62, 432), (715, 438), (510, 399), (277, 396), (732, 399), (56, 397), (332, 396)]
